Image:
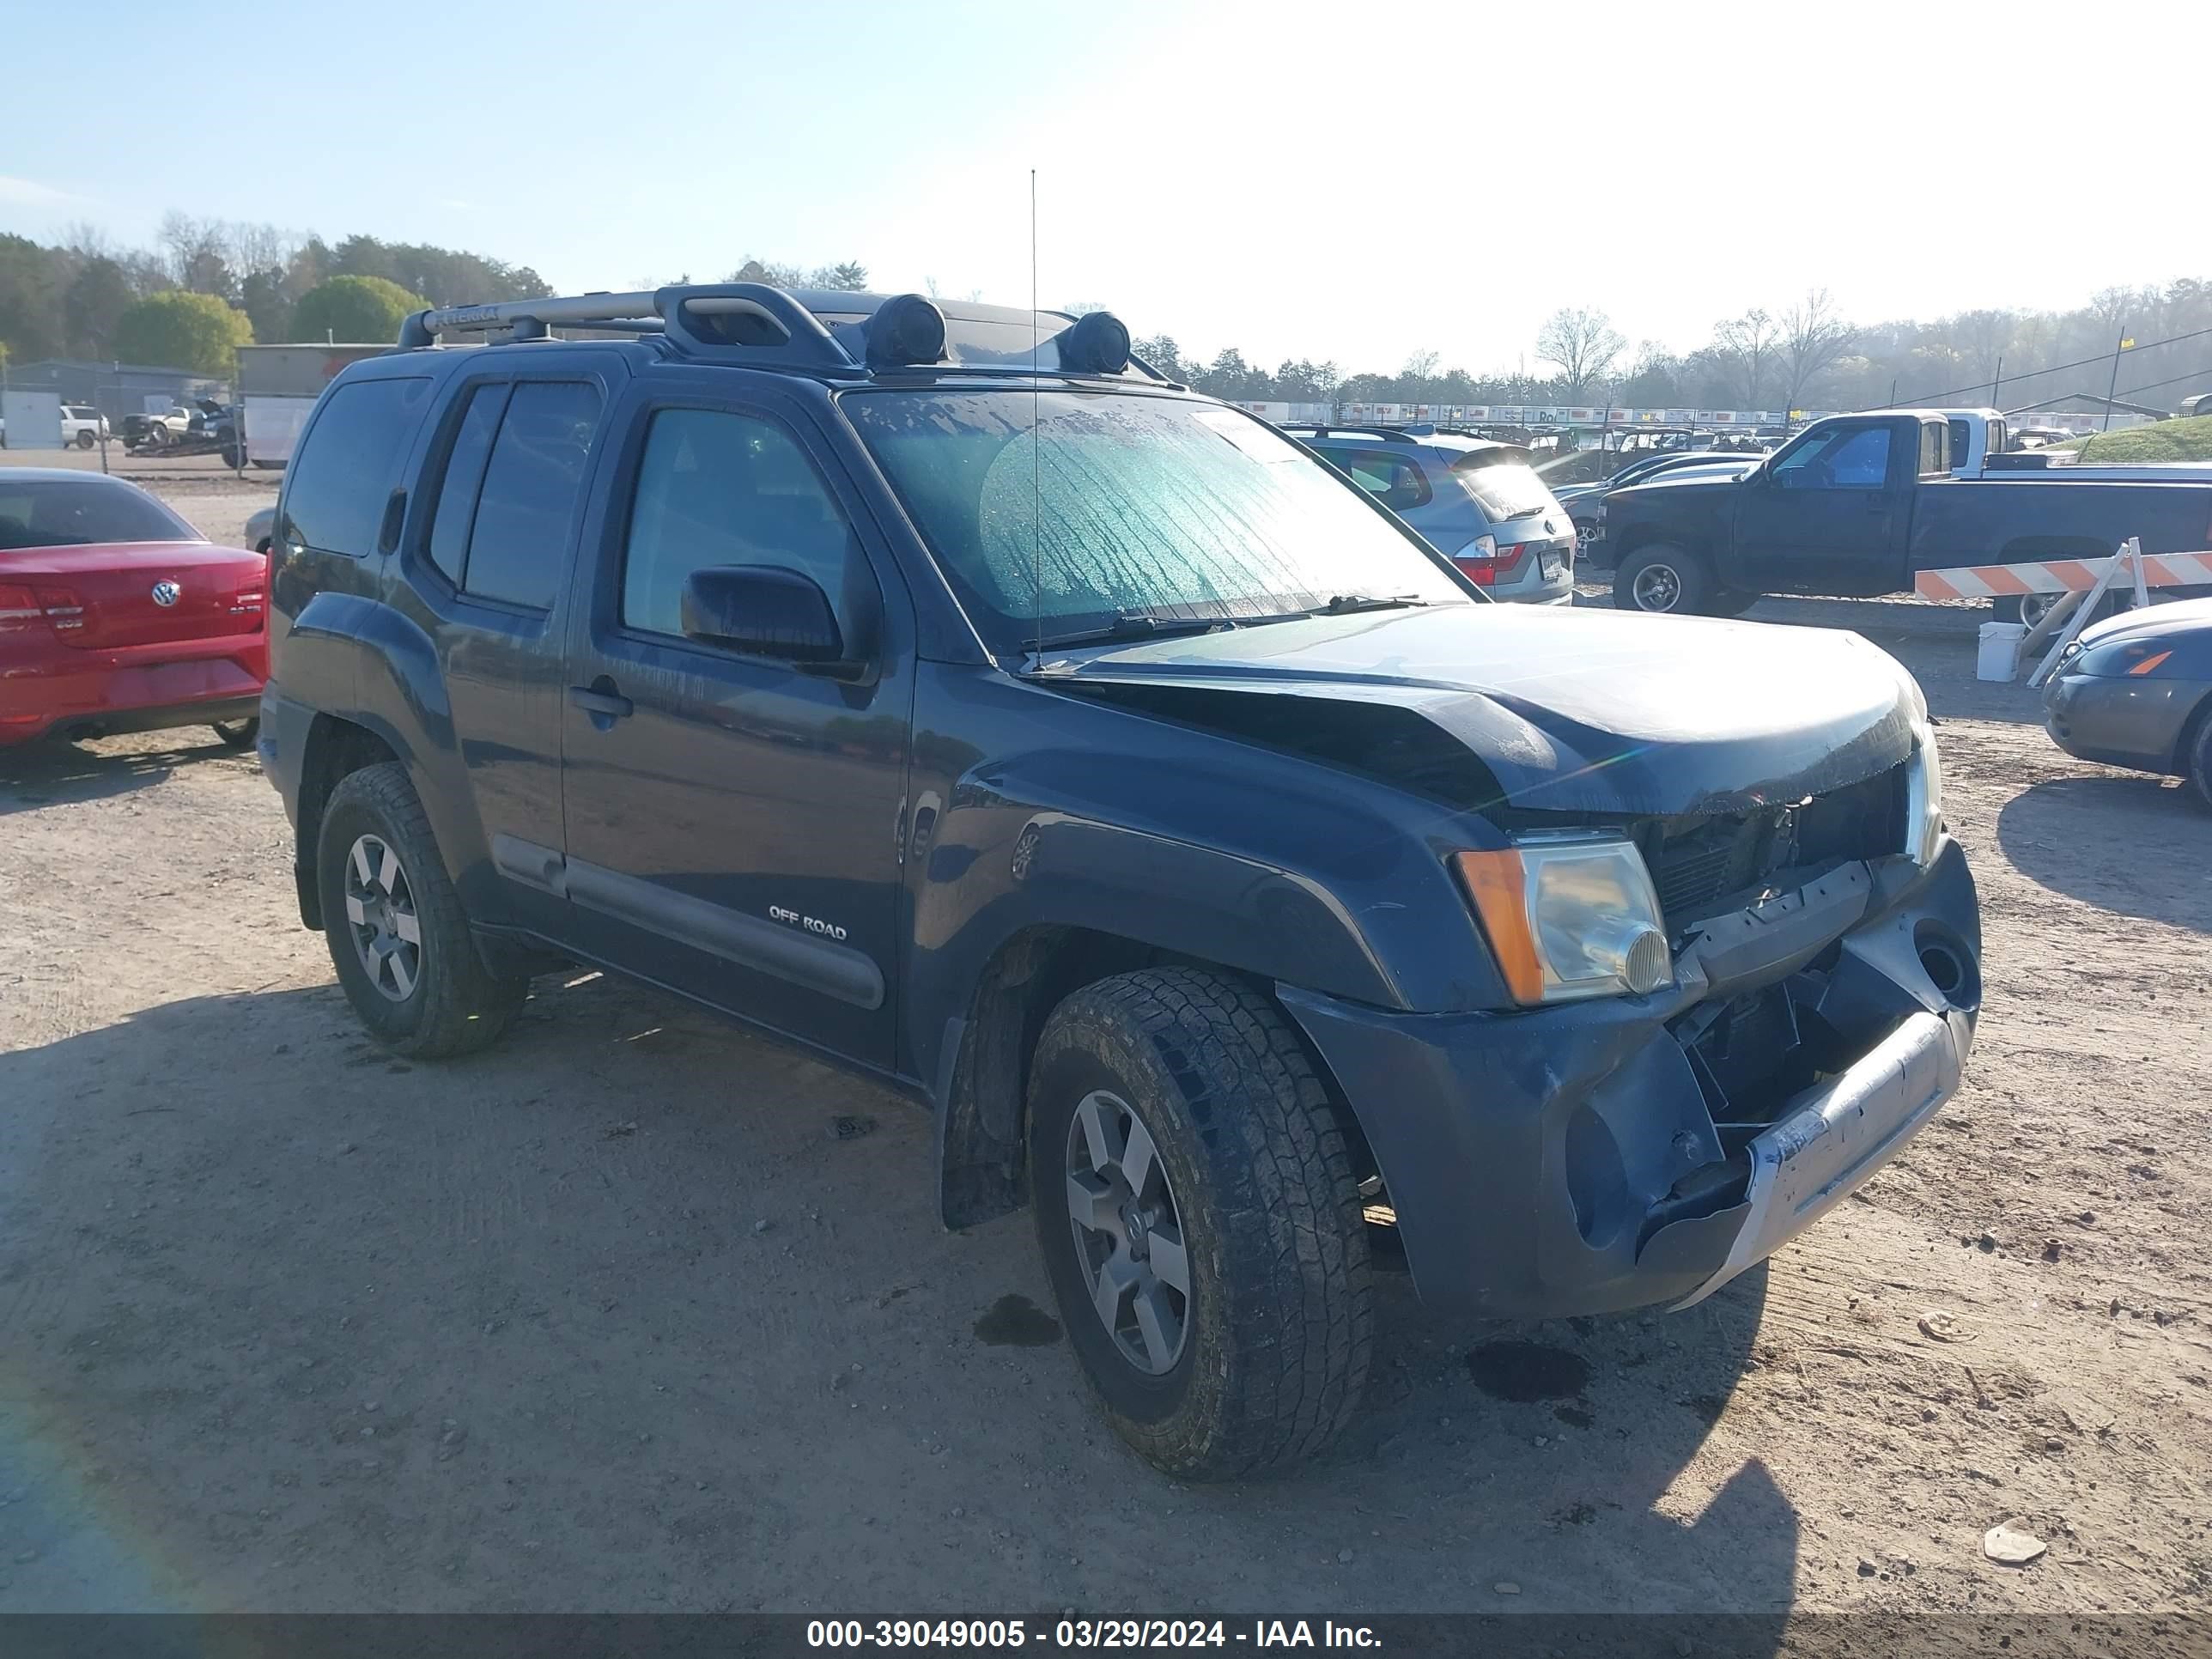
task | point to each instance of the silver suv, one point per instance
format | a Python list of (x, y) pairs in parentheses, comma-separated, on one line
[(1480, 504)]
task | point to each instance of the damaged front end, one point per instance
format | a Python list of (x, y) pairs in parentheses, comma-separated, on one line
[(1615, 1153)]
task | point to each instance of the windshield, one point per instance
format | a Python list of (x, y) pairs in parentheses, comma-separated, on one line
[(64, 513), (1504, 489), (1126, 505)]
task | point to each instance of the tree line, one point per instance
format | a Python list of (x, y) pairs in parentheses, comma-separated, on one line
[(209, 286), (1803, 354)]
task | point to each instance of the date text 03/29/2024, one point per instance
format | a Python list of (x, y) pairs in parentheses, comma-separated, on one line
[(1109, 1633)]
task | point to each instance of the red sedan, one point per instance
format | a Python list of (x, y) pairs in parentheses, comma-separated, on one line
[(117, 615)]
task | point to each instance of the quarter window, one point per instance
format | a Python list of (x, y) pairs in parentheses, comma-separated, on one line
[(1396, 481), (336, 487), (716, 489), (533, 479), (464, 469)]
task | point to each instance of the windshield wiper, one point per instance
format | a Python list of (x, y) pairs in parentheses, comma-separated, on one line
[(1344, 605), (1134, 625)]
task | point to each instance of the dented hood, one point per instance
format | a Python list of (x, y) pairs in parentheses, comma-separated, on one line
[(1573, 710)]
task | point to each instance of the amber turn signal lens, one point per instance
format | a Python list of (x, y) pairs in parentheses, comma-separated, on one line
[(1497, 885), (2149, 663)]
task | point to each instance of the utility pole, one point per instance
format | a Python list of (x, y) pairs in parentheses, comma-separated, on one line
[(1997, 380), (2112, 390)]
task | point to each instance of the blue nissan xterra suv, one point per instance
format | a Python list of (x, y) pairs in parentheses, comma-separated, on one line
[(942, 691)]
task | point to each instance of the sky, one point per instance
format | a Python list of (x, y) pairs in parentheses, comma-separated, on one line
[(1337, 182)]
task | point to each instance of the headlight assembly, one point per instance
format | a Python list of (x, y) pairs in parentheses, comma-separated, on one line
[(1569, 917), (1924, 796)]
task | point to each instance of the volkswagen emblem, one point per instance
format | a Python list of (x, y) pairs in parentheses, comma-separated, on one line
[(166, 593)]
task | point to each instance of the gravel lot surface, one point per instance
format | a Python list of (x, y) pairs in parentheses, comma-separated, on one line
[(636, 1312)]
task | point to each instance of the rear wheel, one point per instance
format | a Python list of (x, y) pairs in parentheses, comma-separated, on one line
[(1662, 580), (399, 937), (237, 734), (84, 439), (1200, 1222), (2029, 608)]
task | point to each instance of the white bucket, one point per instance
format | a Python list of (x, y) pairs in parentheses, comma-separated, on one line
[(2000, 652)]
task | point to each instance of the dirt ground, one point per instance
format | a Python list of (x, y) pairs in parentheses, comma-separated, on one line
[(637, 1313)]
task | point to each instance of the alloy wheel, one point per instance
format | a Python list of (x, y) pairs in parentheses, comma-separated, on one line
[(1657, 587), (1129, 1233), (381, 911)]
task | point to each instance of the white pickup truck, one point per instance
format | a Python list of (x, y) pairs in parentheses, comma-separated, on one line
[(1979, 437), (1977, 451)]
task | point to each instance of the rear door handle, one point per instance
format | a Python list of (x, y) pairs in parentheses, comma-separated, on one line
[(601, 699)]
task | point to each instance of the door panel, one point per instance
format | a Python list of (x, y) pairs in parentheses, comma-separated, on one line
[(1828, 516), (499, 657), (732, 822)]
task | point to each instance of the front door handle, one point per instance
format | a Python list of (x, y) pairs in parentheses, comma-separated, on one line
[(601, 699)]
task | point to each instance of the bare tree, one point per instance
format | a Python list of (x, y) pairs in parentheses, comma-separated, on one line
[(259, 248), (1747, 342), (1582, 343), (1814, 338), (196, 250), (1420, 366)]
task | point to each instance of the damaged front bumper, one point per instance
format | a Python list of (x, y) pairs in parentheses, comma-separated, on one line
[(1599, 1155)]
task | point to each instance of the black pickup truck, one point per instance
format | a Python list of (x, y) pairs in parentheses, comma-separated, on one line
[(1858, 504), (942, 691)]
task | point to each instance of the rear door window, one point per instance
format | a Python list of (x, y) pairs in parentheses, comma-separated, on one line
[(1396, 480), (349, 463), (533, 478)]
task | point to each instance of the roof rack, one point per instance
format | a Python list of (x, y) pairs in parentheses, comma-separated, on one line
[(750, 316), (1323, 430)]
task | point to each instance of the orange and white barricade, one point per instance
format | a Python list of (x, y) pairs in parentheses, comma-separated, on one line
[(1990, 582)]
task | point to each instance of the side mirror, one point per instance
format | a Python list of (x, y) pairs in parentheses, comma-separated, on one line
[(763, 610)]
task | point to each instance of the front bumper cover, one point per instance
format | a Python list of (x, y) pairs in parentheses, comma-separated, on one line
[(2117, 720), (1576, 1159)]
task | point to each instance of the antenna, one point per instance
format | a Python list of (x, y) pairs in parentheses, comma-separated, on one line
[(1037, 447)]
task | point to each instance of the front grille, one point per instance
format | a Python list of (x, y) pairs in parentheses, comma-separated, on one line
[(1696, 862)]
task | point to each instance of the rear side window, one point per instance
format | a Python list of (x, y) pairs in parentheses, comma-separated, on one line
[(336, 487), (532, 481), (1934, 449), (719, 489), (1396, 481)]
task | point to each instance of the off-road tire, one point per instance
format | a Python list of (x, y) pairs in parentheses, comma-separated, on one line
[(458, 1005), (1637, 580), (1280, 1319)]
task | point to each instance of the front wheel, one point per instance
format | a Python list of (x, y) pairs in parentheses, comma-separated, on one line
[(1662, 579), (84, 440), (237, 734), (1201, 1221), (2199, 762), (399, 937)]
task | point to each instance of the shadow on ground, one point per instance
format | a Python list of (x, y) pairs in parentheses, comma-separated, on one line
[(51, 773), (635, 1312), (2157, 844)]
